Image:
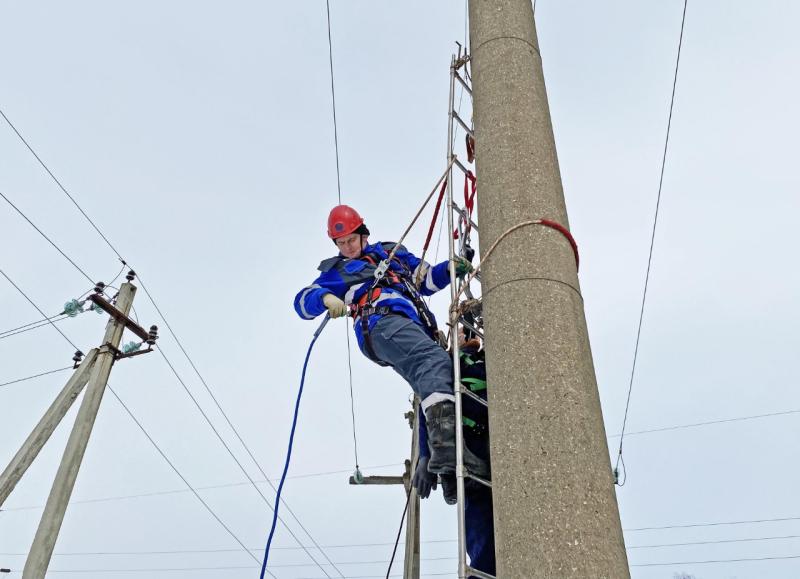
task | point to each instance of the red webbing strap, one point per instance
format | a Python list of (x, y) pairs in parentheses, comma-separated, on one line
[(565, 232), (470, 188), (469, 193), (435, 216)]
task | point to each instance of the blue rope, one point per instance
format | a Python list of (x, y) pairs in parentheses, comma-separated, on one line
[(289, 450)]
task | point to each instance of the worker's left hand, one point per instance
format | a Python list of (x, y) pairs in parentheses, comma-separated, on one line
[(463, 267), (423, 480)]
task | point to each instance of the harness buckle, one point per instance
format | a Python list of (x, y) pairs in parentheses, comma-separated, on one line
[(381, 268)]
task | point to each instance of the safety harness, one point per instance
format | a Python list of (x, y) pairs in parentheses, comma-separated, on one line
[(365, 308)]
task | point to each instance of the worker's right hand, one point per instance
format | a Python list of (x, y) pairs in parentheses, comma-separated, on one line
[(336, 307), (423, 480)]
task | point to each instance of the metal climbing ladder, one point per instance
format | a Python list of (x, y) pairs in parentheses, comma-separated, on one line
[(460, 226)]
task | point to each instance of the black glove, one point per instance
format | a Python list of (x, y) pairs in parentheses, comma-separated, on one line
[(423, 480)]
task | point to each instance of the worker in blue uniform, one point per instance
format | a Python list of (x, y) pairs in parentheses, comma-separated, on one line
[(479, 524), (392, 324)]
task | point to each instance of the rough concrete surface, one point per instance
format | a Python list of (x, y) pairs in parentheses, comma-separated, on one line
[(555, 509)]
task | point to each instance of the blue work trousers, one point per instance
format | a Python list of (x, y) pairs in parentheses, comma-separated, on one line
[(480, 529), (414, 355)]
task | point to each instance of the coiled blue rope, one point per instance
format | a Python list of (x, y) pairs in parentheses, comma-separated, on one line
[(289, 450)]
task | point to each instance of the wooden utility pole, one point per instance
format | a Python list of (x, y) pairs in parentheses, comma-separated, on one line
[(95, 371), (412, 552), (555, 509), (412, 558)]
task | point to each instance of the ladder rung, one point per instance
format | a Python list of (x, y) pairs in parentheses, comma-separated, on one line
[(464, 83), (472, 572), (463, 124), (473, 396), (472, 327), (458, 164), (463, 214), (484, 482)]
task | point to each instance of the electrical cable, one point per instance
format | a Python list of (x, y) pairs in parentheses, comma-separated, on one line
[(361, 545), (352, 398), (273, 507), (139, 424), (291, 443), (202, 488), (150, 297), (39, 321), (652, 241), (35, 376), (38, 309), (196, 551), (49, 172), (229, 567), (186, 482), (712, 524), (29, 327), (399, 533), (710, 422), (744, 559), (333, 102), (50, 241), (717, 542), (339, 193)]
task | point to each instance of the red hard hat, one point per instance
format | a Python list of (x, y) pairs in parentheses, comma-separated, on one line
[(343, 220)]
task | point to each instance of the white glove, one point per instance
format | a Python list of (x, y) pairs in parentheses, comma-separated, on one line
[(336, 307)]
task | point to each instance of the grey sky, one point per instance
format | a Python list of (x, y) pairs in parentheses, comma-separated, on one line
[(198, 136)]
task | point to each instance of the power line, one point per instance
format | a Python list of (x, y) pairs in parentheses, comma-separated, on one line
[(195, 551), (223, 568), (150, 297), (717, 542), (49, 172), (50, 241), (35, 376), (228, 567), (652, 242), (149, 570), (22, 327), (241, 467), (164, 456), (399, 533), (709, 561), (339, 193), (37, 307), (180, 491), (186, 482), (710, 422), (36, 327), (333, 102), (713, 524), (352, 398), (385, 544)]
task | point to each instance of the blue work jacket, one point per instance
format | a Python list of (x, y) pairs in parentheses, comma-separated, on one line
[(350, 279)]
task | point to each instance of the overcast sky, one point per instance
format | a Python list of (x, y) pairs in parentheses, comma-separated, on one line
[(199, 138)]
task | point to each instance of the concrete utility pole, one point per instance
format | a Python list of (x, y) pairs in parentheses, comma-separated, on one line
[(45, 428), (50, 524), (555, 510)]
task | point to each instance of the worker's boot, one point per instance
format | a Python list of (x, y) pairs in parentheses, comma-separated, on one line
[(441, 421)]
